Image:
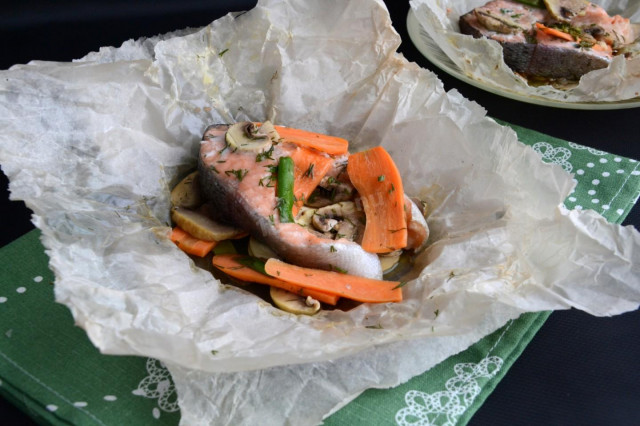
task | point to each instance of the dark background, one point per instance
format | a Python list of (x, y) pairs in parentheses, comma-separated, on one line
[(578, 370)]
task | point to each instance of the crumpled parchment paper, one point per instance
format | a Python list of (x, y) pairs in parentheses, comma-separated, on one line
[(481, 59), (94, 147)]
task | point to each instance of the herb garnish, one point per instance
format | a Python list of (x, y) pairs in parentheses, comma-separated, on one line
[(375, 327), (265, 155), (381, 178), (223, 52), (309, 172), (338, 269), (239, 173)]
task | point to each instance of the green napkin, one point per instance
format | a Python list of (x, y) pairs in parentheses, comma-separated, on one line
[(50, 370)]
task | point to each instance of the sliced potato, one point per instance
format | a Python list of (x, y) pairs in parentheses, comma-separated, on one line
[(201, 226), (260, 250), (187, 193), (293, 303)]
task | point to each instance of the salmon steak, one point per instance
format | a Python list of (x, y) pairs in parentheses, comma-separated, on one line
[(238, 178), (562, 39)]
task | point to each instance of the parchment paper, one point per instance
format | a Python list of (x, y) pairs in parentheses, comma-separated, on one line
[(482, 59), (94, 147)]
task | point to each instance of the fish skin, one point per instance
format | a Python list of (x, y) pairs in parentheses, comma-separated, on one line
[(292, 242)]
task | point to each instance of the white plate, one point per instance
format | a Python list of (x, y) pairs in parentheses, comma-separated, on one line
[(430, 50)]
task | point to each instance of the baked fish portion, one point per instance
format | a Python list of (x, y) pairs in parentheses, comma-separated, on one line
[(564, 40), (239, 182)]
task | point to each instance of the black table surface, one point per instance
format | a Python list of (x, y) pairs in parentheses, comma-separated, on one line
[(578, 370)]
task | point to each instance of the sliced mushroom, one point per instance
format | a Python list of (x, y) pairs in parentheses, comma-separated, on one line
[(199, 224), (331, 190), (268, 129), (323, 223), (564, 10), (342, 219), (305, 216), (388, 261), (293, 303), (187, 193), (246, 136)]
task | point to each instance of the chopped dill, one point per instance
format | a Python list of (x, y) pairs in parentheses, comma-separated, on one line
[(375, 327), (338, 269), (309, 172), (265, 155), (238, 173)]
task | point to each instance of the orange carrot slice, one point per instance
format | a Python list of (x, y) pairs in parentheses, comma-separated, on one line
[(228, 263), (310, 166), (377, 179), (332, 145), (554, 32), (350, 286), (189, 244)]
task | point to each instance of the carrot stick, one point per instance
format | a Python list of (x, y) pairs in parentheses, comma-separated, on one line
[(332, 145), (228, 263), (554, 32), (377, 179), (310, 168), (350, 286), (189, 244)]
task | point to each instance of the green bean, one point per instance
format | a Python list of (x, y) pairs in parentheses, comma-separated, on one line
[(284, 190)]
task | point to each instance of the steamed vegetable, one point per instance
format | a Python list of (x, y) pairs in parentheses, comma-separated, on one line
[(187, 193), (285, 189), (554, 32), (376, 178), (330, 144), (290, 302), (189, 244), (200, 225), (343, 285), (237, 266), (246, 136), (310, 167)]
